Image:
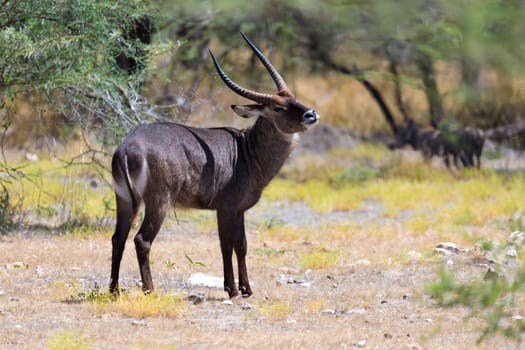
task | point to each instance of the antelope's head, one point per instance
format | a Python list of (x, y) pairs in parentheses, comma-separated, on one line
[(406, 135), (288, 114)]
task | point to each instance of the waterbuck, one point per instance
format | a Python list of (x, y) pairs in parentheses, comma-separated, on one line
[(459, 145), (223, 169)]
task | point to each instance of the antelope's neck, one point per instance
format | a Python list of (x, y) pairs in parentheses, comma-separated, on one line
[(266, 149)]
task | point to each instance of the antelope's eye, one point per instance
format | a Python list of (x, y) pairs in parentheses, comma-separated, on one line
[(278, 109)]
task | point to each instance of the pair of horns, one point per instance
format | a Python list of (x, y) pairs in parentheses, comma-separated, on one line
[(249, 94)]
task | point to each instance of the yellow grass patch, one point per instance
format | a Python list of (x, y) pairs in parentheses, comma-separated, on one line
[(64, 193), (318, 259), (284, 233), (138, 305), (434, 198), (315, 305), (275, 309), (70, 340)]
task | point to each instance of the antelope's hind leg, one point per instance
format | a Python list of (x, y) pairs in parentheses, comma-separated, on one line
[(125, 216), (153, 218)]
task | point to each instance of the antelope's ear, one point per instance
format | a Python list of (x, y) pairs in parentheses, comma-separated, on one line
[(248, 111)]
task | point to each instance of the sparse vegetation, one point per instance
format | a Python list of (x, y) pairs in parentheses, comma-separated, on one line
[(70, 340), (276, 309), (318, 259), (493, 299)]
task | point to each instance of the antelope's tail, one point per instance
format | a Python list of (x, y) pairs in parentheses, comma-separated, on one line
[(122, 181)]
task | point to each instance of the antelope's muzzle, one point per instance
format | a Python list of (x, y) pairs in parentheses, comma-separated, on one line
[(310, 117)]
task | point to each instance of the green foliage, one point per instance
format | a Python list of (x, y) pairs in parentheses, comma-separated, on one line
[(170, 264), (494, 299), (66, 50), (353, 175), (192, 262)]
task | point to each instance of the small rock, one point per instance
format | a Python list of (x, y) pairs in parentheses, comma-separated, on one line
[(511, 252), (227, 302), (197, 298), (517, 318), (203, 280), (31, 157), (304, 284), (516, 238), (328, 312), (388, 336), (406, 296), (139, 322), (2, 293), (359, 311), (361, 343), (292, 280), (39, 271), (414, 255), (452, 248), (246, 306)]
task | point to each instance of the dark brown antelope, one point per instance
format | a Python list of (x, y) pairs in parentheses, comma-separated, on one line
[(223, 169), (465, 145)]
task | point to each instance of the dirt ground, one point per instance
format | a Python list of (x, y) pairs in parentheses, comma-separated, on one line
[(372, 297), (358, 303)]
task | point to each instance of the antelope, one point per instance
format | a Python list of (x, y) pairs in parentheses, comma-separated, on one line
[(168, 165), (460, 145)]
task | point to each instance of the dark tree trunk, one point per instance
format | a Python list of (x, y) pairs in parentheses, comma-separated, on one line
[(397, 90), (374, 92), (426, 66)]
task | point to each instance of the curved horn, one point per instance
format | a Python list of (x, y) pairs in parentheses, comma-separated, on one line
[(251, 95), (279, 81)]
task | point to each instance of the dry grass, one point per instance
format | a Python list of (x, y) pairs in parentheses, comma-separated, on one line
[(134, 303), (352, 267), (334, 305)]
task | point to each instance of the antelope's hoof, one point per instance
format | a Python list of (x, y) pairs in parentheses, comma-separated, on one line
[(245, 291), (232, 293), (115, 291)]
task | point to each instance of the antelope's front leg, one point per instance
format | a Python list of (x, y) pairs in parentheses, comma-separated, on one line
[(241, 246), (227, 234)]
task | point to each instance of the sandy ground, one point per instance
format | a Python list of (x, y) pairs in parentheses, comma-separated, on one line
[(360, 302), (373, 297)]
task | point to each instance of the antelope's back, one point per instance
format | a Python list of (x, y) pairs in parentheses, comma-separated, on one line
[(191, 164)]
